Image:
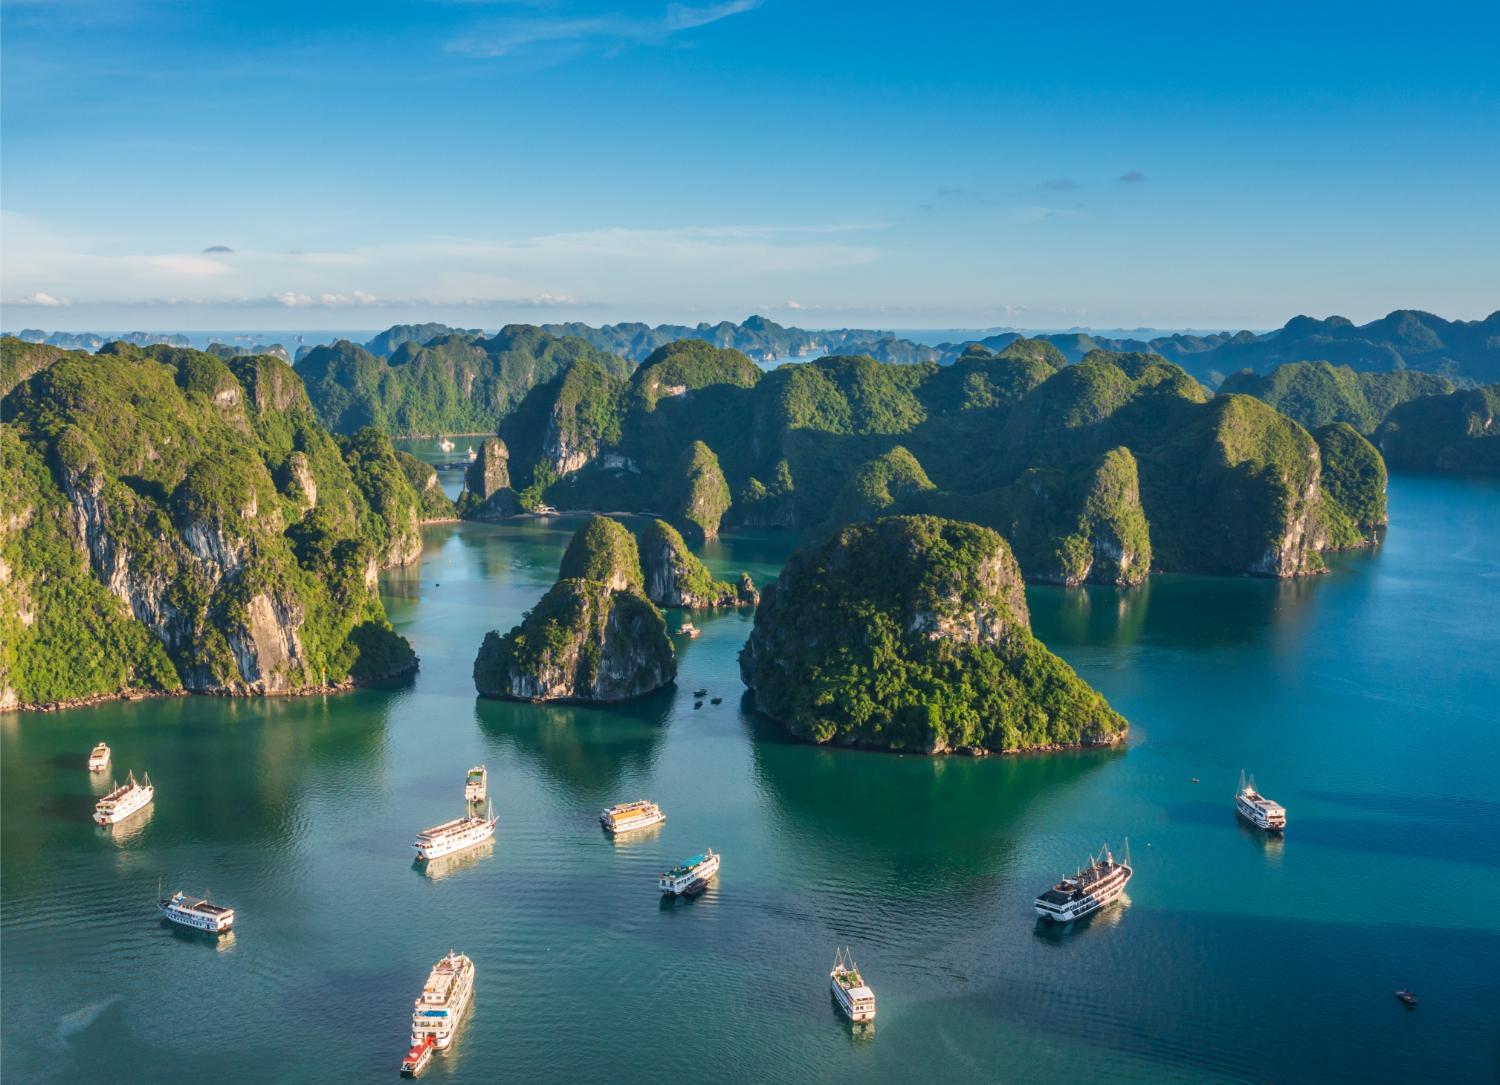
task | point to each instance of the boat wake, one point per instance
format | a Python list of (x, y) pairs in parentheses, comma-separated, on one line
[(79, 1020)]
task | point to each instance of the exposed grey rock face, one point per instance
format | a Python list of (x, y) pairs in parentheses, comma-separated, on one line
[(674, 577), (488, 479), (582, 642)]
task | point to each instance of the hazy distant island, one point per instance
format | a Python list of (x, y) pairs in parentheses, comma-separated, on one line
[(178, 521)]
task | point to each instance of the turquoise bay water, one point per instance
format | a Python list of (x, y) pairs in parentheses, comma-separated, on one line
[(1367, 701)]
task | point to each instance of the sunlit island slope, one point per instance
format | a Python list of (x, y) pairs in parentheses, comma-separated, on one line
[(175, 521), (912, 633), (593, 637)]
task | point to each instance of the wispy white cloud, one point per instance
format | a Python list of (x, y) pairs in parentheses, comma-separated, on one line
[(608, 31), (547, 270)]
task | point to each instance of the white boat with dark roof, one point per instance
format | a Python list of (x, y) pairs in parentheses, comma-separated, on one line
[(455, 835), (477, 784), (849, 989), (627, 817), (99, 758), (1087, 891), (1258, 810), (196, 912), (124, 800), (690, 876)]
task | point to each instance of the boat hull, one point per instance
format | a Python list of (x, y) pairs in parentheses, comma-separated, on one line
[(207, 924), (440, 848), (1085, 906), (121, 812)]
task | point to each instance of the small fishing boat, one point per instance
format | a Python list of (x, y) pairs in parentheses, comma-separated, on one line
[(716, 700), (1406, 996), (700, 692), (849, 990), (99, 758), (681, 878), (477, 784), (697, 704), (688, 629)]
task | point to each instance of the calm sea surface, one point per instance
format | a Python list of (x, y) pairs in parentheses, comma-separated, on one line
[(1367, 701)]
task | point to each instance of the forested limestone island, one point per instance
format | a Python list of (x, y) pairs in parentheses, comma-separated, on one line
[(1097, 472), (593, 637), (912, 633), (1456, 433), (179, 522), (459, 382)]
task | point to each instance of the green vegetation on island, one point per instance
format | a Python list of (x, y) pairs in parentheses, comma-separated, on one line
[(175, 520), (674, 577), (453, 384), (1458, 433), (592, 637), (1098, 471), (912, 633), (1317, 394)]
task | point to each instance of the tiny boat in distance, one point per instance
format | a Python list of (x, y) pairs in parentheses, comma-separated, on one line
[(689, 876), (1257, 809), (99, 758), (477, 784), (849, 990), (446, 445), (701, 692), (196, 912), (436, 1016), (417, 1058), (627, 817), (455, 835), (1087, 891), (688, 629), (545, 510), (1407, 997), (124, 800), (472, 454)]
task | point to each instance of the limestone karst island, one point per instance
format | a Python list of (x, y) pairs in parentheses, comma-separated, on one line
[(748, 541)]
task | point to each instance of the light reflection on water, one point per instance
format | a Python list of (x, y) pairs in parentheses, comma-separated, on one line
[(1359, 699)]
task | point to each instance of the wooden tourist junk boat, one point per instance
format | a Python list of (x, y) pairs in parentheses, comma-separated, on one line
[(196, 912), (438, 1013), (691, 876), (627, 817), (124, 800), (849, 990), (1258, 810), (455, 835), (477, 784), (1087, 891)]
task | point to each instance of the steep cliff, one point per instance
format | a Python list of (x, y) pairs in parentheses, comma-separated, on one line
[(676, 578), (174, 520), (912, 633), (695, 495), (1457, 433), (487, 490), (590, 638)]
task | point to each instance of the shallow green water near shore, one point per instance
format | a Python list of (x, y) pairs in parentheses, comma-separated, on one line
[(1367, 701)]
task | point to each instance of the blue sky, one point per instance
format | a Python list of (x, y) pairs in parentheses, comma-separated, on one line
[(899, 165)]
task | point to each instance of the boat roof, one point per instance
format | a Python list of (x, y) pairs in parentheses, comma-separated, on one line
[(861, 992), (687, 865)]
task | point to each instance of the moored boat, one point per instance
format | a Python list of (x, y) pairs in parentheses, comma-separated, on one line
[(436, 1016), (124, 800), (1258, 810), (477, 784), (417, 1058), (545, 510), (455, 835), (196, 912), (445, 444), (627, 817), (688, 629), (690, 874), (1087, 891), (99, 758), (849, 990)]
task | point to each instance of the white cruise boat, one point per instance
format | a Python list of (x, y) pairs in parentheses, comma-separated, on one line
[(124, 800), (436, 1016), (99, 758), (627, 817), (196, 912), (477, 784), (691, 875), (1087, 891), (445, 444), (1257, 809), (688, 629), (849, 990), (472, 454), (455, 835)]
